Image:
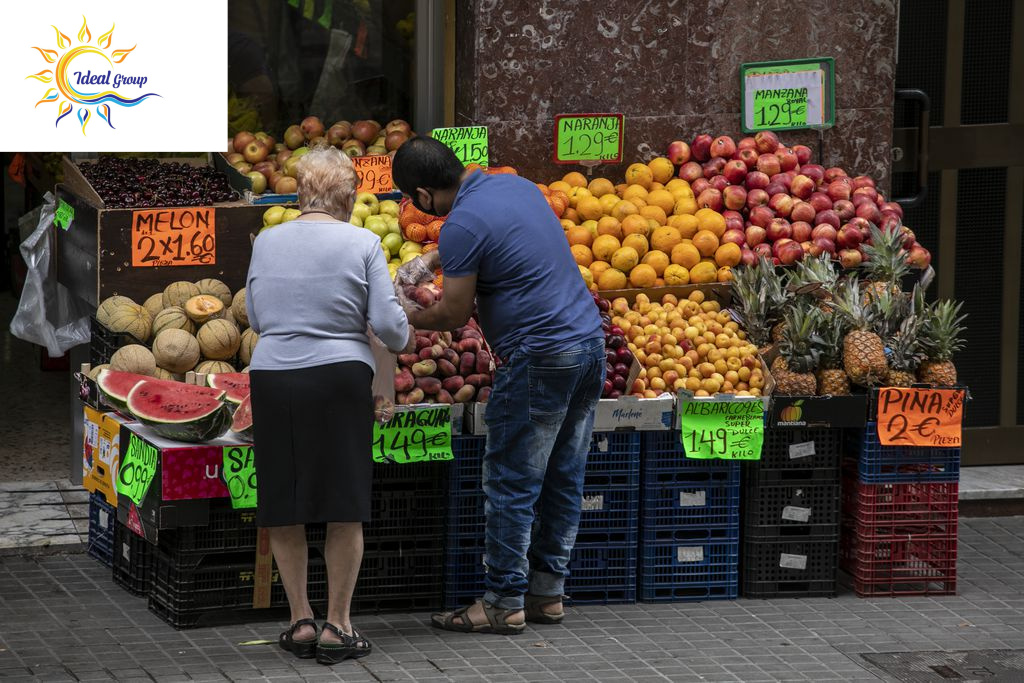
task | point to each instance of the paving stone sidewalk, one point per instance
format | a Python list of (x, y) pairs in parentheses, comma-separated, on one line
[(62, 619)]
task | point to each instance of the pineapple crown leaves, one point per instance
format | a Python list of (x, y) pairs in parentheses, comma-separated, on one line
[(814, 276), (848, 304), (906, 350), (832, 332), (758, 296), (889, 309), (801, 344), (886, 261), (942, 330)]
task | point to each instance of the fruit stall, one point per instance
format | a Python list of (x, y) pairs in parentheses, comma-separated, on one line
[(781, 414)]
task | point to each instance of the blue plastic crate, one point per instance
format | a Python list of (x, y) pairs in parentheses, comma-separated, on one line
[(693, 504), (662, 456), (102, 516), (689, 571), (877, 464)]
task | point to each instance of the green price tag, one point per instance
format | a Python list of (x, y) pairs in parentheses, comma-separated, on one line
[(729, 430), (137, 469), (780, 108), (418, 435), (469, 143), (240, 476), (588, 137), (64, 215)]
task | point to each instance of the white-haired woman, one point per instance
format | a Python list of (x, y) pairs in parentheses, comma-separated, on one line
[(314, 285)]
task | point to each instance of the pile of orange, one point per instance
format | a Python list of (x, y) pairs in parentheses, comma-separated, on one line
[(645, 232)]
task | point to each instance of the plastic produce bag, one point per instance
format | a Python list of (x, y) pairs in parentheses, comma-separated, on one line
[(414, 286), (47, 315)]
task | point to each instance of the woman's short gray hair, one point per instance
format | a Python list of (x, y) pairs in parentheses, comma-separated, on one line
[(327, 182)]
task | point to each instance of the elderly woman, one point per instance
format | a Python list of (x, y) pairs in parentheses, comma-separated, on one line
[(314, 286)]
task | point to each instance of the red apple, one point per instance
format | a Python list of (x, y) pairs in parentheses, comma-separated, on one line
[(265, 167), (893, 206), (790, 252), (755, 235), (757, 198), (890, 222), (255, 152), (282, 156), (784, 179), (802, 186), (869, 192), (710, 199), (735, 171), (850, 258), (849, 237), (756, 180), (775, 188), (699, 185), (840, 188), (766, 142), (823, 245), (733, 220), (814, 172), (779, 228), (764, 249), (234, 158), (746, 143), (748, 157), (690, 171), (734, 197), (312, 127), (781, 204), (863, 181), (845, 209), (822, 231), (802, 211), (869, 212), (723, 146), (769, 164), (820, 201), (242, 140), (909, 238), (833, 173), (862, 225), (713, 167), (787, 159), (761, 216), (719, 182), (748, 257), (700, 148), (778, 244), (919, 257), (827, 216), (678, 152), (801, 231), (735, 236), (803, 155)]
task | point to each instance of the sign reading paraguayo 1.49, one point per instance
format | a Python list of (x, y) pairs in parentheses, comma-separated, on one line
[(240, 476), (469, 143), (920, 417), (419, 435), (729, 430), (137, 469), (588, 137)]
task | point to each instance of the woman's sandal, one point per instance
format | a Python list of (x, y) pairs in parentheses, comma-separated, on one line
[(351, 646), (496, 621), (303, 649), (535, 605)]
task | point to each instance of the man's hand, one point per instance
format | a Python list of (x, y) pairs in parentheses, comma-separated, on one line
[(418, 270), (411, 345)]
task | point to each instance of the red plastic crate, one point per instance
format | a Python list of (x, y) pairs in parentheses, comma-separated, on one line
[(914, 565), (896, 510)]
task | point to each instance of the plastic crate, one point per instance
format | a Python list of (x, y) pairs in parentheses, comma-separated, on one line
[(689, 571), (103, 343), (878, 464), (674, 504), (790, 510), (683, 534), (662, 457), (790, 568), (777, 454), (132, 561), (900, 509), (602, 575), (408, 581), (102, 517), (915, 565)]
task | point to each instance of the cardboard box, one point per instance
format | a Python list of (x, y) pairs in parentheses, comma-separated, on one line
[(101, 438), (716, 291), (832, 412), (153, 516), (630, 412), (474, 420), (243, 185)]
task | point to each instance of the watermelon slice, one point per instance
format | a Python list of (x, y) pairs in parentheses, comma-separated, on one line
[(116, 385), (235, 384), (181, 412), (241, 422)]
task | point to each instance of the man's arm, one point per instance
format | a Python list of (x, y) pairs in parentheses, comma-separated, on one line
[(454, 309)]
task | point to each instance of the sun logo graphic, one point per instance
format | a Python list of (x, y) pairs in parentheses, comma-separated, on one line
[(79, 69)]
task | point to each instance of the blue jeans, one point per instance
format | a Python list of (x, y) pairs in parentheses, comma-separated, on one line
[(539, 423)]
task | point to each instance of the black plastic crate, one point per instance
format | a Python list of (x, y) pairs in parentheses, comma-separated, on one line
[(103, 343), (789, 510), (688, 571), (800, 449), (683, 534), (673, 504), (793, 568), (408, 581), (132, 561), (102, 517)]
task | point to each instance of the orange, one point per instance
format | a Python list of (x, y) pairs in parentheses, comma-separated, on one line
[(639, 174), (635, 224), (709, 219), (608, 225), (566, 224), (543, 189), (560, 186), (687, 205), (642, 276), (635, 192), (609, 201), (676, 275), (728, 254), (576, 194), (662, 169), (582, 254), (591, 226), (706, 243), (624, 208), (665, 238), (571, 215), (575, 179), (557, 204), (620, 188), (611, 279), (416, 232), (685, 224), (598, 267), (599, 187), (578, 234), (589, 208), (655, 214), (663, 199), (625, 259), (604, 246), (685, 255), (703, 272), (725, 274), (657, 260), (677, 184), (638, 242)]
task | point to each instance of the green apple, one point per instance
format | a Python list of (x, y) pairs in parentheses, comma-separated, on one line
[(395, 261), (392, 241), (299, 152), (409, 257), (361, 210), (290, 215), (273, 215), (389, 207), (393, 227), (369, 199), (356, 221), (377, 225), (393, 269), (387, 253)]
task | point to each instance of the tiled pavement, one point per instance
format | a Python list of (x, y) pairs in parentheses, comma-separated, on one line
[(62, 619)]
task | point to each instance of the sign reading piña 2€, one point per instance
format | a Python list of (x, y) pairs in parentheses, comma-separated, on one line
[(920, 417)]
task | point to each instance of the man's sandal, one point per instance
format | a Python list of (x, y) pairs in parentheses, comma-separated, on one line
[(303, 649), (535, 605), (496, 621), (351, 646)]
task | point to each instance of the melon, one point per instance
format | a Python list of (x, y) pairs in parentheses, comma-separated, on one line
[(228, 314), (241, 421), (173, 318), (95, 372), (177, 293), (130, 319), (238, 308), (176, 350), (235, 385), (108, 305), (134, 358), (169, 376), (116, 386), (216, 288), (154, 304), (203, 307), (182, 412), (219, 340), (213, 367), (246, 346)]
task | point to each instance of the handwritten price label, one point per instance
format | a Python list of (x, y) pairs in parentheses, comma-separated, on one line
[(421, 435), (374, 173), (174, 237), (588, 137), (240, 476), (64, 215), (469, 143), (783, 108), (729, 430), (138, 467), (920, 417)]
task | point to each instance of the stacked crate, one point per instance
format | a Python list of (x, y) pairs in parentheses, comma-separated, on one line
[(603, 562), (102, 517), (791, 515), (900, 514), (689, 546)]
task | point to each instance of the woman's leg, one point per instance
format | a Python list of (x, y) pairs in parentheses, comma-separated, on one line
[(291, 555), (344, 557)]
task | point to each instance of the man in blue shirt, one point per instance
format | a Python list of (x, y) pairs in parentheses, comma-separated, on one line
[(502, 246)]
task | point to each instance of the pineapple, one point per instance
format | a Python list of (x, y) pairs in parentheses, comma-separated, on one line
[(799, 352), (905, 353), (890, 309), (814, 278), (832, 379), (941, 337), (886, 261), (863, 352), (758, 298)]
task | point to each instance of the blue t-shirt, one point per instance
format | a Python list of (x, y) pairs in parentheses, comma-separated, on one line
[(529, 290)]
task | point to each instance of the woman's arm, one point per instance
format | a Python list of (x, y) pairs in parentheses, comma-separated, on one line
[(383, 311), (250, 309)]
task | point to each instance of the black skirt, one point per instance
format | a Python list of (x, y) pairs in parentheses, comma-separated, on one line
[(311, 444)]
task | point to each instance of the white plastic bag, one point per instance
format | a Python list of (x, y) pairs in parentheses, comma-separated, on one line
[(47, 315)]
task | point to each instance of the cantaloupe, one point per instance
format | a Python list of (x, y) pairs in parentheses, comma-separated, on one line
[(177, 293), (154, 304), (108, 306), (248, 343), (215, 287), (130, 318), (203, 307), (173, 318), (95, 372), (134, 358), (176, 350), (219, 340), (238, 308), (170, 376), (213, 367)]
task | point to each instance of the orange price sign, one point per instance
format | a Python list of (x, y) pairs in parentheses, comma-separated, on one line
[(174, 237), (920, 417), (374, 173)]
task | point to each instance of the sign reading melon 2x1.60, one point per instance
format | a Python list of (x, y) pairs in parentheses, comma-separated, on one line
[(374, 173), (588, 137), (174, 237), (468, 143), (420, 435)]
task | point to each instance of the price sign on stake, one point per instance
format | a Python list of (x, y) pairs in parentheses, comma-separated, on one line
[(240, 476), (420, 435), (374, 173), (788, 95), (174, 237), (588, 137), (468, 143), (138, 467), (920, 417), (727, 429)]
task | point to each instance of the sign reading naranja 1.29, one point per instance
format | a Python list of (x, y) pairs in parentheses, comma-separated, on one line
[(174, 237), (588, 137)]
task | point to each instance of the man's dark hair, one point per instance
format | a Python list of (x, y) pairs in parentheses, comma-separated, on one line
[(427, 163)]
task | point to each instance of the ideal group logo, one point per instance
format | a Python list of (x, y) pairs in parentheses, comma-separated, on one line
[(79, 69)]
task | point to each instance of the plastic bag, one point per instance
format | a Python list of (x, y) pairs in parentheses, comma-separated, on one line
[(414, 286), (47, 315)]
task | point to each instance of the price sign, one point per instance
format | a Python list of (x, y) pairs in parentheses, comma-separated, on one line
[(729, 430), (240, 476), (788, 95), (920, 417), (469, 143), (419, 435), (780, 108), (64, 214), (374, 173), (138, 467), (588, 137), (174, 237)]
